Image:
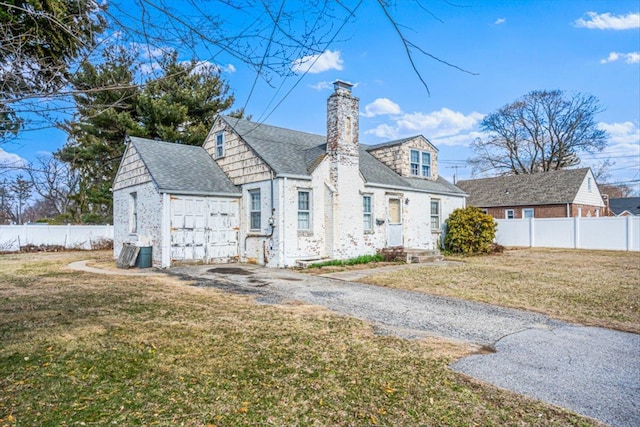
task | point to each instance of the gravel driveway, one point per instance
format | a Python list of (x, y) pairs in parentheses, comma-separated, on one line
[(591, 371)]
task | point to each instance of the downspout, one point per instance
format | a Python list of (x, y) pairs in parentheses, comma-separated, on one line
[(284, 212)]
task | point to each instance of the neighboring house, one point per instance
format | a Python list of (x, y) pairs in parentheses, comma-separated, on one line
[(625, 206), (554, 194), (274, 196)]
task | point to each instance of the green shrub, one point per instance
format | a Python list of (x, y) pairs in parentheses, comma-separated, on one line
[(362, 259), (469, 231)]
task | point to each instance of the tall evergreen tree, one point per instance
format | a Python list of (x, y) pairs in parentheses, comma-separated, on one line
[(107, 112), (178, 106), (39, 41)]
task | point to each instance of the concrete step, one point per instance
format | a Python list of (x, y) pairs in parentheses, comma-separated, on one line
[(419, 259), (411, 256)]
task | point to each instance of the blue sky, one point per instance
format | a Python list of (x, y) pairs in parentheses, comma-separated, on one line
[(511, 47)]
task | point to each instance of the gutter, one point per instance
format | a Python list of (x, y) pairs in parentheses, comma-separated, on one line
[(415, 190), (200, 193)]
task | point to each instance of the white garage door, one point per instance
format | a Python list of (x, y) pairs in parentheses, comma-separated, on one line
[(204, 229)]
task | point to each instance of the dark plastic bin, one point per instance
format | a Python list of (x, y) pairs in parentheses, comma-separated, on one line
[(144, 257)]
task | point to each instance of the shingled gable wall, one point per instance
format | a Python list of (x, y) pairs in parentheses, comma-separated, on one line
[(398, 157), (239, 162), (344, 237)]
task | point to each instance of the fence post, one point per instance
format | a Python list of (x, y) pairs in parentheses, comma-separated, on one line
[(67, 237), (532, 233), (629, 236), (26, 234), (576, 232)]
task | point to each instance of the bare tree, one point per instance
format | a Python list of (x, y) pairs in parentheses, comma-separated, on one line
[(21, 189), (279, 40), (542, 131), (6, 202), (54, 182), (615, 191)]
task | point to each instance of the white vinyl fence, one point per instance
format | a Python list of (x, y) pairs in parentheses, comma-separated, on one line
[(12, 237), (611, 233)]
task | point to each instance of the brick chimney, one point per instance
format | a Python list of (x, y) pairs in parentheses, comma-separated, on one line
[(344, 230), (342, 120)]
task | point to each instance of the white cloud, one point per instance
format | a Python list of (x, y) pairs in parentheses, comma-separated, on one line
[(11, 160), (149, 52), (606, 21), (446, 126), (321, 85), (500, 21), (621, 133), (629, 58), (314, 64), (203, 66), (380, 107)]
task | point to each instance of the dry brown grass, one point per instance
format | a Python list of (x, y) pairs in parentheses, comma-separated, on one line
[(599, 288), (105, 350)]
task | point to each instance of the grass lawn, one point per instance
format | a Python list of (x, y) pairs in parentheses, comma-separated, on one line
[(86, 349), (598, 288)]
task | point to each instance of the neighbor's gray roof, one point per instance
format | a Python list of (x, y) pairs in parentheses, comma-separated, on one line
[(544, 188), (621, 204), (183, 169), (290, 152)]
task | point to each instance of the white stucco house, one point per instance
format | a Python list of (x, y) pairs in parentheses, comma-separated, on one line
[(274, 196)]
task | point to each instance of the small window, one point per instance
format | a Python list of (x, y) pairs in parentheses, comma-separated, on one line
[(485, 211), (219, 145), (420, 163), (435, 214), (304, 211), (527, 213), (367, 212), (589, 185), (509, 214), (255, 212), (133, 213)]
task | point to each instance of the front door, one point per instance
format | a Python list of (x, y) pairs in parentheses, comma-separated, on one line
[(394, 222)]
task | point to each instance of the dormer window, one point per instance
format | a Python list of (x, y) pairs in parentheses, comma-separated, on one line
[(421, 163)]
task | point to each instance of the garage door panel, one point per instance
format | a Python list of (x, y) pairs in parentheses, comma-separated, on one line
[(204, 229)]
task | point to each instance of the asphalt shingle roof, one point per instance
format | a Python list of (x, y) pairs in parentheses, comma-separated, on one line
[(621, 204), (183, 169), (544, 188), (286, 151), (292, 152)]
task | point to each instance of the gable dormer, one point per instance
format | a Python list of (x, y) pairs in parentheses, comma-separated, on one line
[(413, 157)]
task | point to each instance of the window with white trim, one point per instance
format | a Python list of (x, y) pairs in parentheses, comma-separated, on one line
[(304, 210), (527, 213), (219, 145), (509, 214), (420, 163), (435, 214), (589, 185), (367, 212), (255, 211), (133, 212)]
